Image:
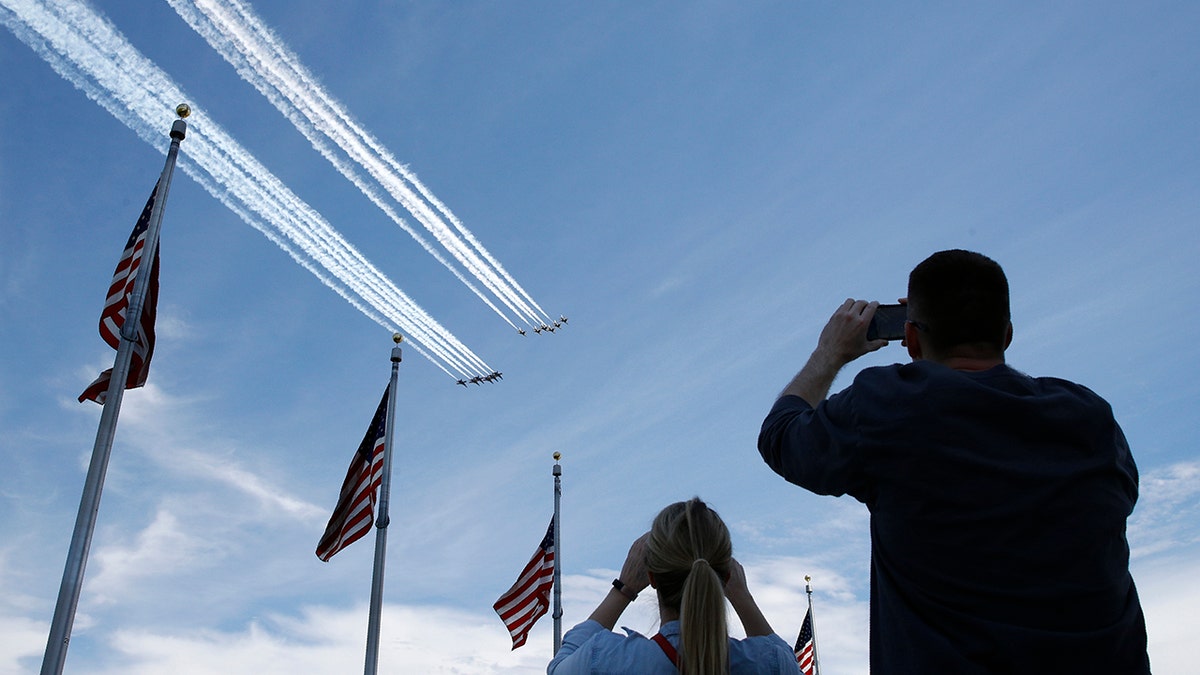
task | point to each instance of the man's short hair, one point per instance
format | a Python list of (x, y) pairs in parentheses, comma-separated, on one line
[(959, 297)]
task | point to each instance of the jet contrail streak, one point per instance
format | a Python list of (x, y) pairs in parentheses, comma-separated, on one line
[(264, 61), (192, 17), (458, 225), (87, 50), (269, 198)]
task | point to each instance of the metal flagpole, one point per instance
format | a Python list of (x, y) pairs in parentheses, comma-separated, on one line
[(812, 620), (382, 519), (89, 503), (557, 554)]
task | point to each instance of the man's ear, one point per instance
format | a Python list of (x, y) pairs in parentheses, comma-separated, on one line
[(912, 340), (1008, 336)]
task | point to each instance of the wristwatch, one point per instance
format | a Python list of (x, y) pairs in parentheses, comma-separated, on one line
[(620, 586)]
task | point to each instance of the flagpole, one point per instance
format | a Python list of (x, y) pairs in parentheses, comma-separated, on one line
[(382, 520), (557, 555), (89, 503), (812, 618)]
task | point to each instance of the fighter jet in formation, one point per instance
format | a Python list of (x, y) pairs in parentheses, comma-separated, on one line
[(521, 331), (548, 327), (480, 379)]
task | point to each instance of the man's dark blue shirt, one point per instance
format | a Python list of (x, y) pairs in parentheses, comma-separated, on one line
[(998, 505)]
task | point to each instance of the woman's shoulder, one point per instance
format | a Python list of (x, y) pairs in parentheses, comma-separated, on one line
[(593, 649), (762, 655)]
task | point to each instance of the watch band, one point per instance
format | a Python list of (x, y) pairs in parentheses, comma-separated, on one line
[(620, 586)]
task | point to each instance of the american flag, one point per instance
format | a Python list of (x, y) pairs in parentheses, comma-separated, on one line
[(355, 511), (112, 318), (528, 599), (805, 645)]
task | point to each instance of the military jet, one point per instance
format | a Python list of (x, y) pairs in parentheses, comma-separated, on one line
[(562, 318), (462, 382), (521, 331)]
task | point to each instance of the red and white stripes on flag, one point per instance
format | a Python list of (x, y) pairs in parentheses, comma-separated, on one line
[(528, 599), (805, 645), (112, 318), (355, 511)]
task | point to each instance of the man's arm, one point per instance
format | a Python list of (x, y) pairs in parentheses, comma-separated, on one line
[(810, 443), (843, 339)]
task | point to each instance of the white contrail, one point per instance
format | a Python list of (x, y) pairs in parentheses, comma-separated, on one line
[(264, 61), (458, 225), (191, 15), (266, 64), (87, 50)]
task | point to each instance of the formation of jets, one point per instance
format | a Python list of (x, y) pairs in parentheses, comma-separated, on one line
[(547, 327), (479, 379), (497, 375)]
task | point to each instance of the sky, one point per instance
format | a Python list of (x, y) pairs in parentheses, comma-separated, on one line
[(696, 186)]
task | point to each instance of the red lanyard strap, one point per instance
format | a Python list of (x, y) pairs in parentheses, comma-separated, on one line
[(667, 648)]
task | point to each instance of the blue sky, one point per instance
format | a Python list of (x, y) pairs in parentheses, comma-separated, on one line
[(696, 186)]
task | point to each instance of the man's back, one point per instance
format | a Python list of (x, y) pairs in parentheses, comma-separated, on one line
[(998, 509)]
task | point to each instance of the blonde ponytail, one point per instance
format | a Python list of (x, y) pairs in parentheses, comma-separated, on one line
[(689, 553)]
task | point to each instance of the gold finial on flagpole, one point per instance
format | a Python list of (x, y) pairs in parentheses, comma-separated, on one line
[(557, 456), (183, 110), (397, 338)]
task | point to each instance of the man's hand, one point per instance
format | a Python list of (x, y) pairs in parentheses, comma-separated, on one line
[(843, 339)]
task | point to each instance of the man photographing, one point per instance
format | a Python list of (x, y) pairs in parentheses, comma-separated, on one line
[(998, 501)]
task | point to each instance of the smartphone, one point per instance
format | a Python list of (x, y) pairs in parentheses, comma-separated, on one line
[(888, 323)]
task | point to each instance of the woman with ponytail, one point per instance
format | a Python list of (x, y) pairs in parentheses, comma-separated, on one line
[(688, 559)]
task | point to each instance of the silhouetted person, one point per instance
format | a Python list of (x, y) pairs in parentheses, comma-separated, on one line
[(998, 501)]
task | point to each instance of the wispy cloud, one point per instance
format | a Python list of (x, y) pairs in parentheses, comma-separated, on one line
[(330, 640), (1167, 510), (22, 633), (163, 547), (22, 639), (162, 429)]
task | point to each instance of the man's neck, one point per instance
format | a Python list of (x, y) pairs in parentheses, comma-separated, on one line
[(967, 357), (971, 363)]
